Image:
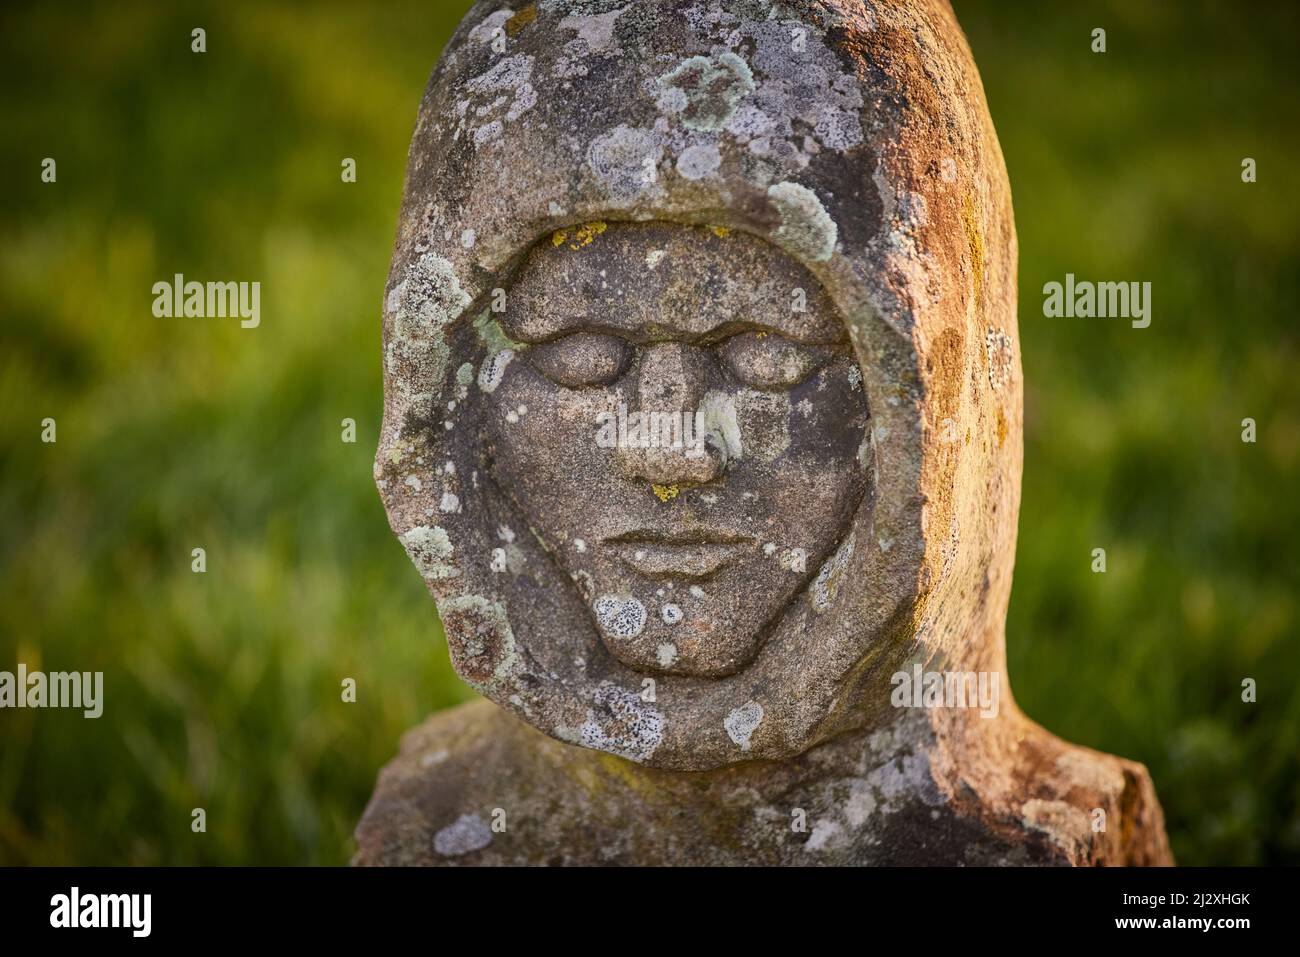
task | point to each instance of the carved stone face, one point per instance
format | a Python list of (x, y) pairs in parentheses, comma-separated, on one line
[(679, 416)]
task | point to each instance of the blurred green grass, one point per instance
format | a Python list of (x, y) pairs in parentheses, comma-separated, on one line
[(223, 689)]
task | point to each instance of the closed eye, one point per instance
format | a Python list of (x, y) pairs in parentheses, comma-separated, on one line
[(581, 360), (764, 360)]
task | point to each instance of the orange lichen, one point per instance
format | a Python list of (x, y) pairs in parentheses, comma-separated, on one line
[(521, 19), (665, 492), (585, 233), (582, 236), (975, 240)]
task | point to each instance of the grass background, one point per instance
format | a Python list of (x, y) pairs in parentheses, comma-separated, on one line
[(223, 689)]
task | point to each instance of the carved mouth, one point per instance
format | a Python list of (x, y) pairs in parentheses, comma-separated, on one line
[(690, 555)]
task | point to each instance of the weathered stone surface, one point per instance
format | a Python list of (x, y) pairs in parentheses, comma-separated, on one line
[(791, 222), (891, 797)]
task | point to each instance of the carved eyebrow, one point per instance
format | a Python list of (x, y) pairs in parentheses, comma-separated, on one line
[(532, 327), (637, 314), (533, 321), (647, 332)]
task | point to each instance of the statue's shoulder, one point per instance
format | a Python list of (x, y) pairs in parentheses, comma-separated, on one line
[(1097, 808), (434, 801)]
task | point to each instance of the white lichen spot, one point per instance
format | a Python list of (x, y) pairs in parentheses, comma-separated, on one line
[(620, 616), (743, 722), (697, 162), (621, 723), (430, 551), (579, 545), (860, 805), (466, 834), (450, 502), (488, 132), (468, 238), (697, 591), (506, 86), (486, 30), (666, 654), (822, 834), (426, 300), (671, 614), (653, 257), (806, 229), (715, 420), (1000, 356), (625, 160), (489, 377), (413, 481), (597, 29), (498, 563)]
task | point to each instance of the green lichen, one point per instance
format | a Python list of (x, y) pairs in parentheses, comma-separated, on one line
[(493, 336), (706, 91)]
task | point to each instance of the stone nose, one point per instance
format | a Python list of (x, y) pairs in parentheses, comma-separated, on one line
[(667, 448)]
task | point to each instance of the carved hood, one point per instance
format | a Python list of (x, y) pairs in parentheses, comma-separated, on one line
[(855, 139)]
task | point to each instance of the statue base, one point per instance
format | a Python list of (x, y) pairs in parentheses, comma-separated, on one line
[(475, 786)]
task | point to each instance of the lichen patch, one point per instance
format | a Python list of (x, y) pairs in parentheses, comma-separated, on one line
[(806, 229)]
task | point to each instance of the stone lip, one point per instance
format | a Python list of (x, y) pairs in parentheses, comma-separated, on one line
[(677, 559), (881, 798)]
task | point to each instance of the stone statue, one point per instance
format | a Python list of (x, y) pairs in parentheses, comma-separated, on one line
[(702, 422)]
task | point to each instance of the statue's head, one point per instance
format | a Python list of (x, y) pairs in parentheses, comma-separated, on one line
[(700, 368)]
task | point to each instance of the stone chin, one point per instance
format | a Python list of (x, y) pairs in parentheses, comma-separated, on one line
[(696, 630)]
